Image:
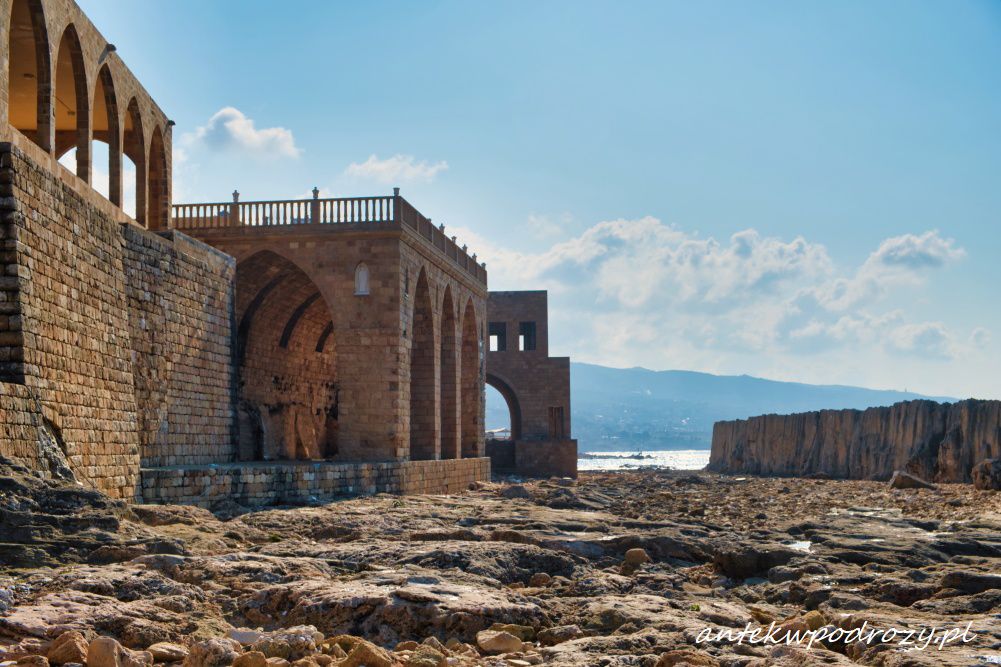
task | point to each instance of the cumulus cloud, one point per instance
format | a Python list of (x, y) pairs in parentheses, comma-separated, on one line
[(931, 339), (643, 292), (395, 169), (230, 129), (899, 261), (915, 252)]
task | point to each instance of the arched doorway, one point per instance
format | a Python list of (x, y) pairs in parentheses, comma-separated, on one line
[(287, 363), (513, 407), (423, 417), (449, 381), (108, 137), (29, 74), (134, 171), (472, 388), (158, 213), (72, 104)]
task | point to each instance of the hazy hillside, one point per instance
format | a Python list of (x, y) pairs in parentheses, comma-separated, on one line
[(634, 408)]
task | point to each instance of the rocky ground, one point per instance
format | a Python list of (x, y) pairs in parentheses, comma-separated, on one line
[(626, 568)]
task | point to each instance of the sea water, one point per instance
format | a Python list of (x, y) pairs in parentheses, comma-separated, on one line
[(679, 459)]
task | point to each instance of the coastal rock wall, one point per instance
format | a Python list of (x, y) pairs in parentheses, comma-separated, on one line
[(939, 441)]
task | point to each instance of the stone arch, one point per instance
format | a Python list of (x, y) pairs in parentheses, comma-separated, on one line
[(472, 387), (29, 73), (449, 380), (423, 403), (287, 386), (511, 398), (134, 148), (159, 214), (71, 112), (106, 128)]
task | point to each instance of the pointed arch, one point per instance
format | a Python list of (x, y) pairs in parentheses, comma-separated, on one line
[(106, 128), (472, 384), (71, 111), (158, 217), (286, 362), (423, 397), (134, 148), (29, 74), (449, 428)]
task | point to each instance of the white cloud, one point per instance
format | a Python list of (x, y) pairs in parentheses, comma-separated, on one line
[(914, 252), (642, 292), (395, 169), (230, 129), (899, 261), (930, 339)]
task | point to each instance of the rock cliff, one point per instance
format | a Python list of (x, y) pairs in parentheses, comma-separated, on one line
[(937, 441)]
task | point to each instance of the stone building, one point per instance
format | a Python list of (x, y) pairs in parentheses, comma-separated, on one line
[(261, 351), (535, 386)]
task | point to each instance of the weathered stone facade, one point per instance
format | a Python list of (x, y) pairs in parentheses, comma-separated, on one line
[(338, 330), (535, 386)]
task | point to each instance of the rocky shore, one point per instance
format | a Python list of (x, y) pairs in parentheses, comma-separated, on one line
[(625, 568)]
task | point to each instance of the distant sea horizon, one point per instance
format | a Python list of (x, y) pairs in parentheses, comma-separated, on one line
[(677, 459)]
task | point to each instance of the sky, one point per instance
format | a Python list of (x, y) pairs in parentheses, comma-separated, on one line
[(800, 191)]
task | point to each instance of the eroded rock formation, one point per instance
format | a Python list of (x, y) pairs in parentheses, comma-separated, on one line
[(935, 441)]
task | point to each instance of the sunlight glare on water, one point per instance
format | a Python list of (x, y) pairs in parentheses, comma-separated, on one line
[(682, 459)]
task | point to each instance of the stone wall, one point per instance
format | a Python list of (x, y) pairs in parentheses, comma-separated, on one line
[(20, 424), (941, 442), (124, 335), (260, 484), (180, 300), (75, 324)]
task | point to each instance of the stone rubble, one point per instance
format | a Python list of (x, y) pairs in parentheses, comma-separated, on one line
[(619, 569)]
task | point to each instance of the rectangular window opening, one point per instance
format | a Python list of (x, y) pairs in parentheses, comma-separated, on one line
[(498, 336), (526, 336)]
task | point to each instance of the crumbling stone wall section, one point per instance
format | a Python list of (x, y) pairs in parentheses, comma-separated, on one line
[(74, 319), (180, 301)]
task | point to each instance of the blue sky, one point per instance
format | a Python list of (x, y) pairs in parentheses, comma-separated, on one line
[(798, 190)]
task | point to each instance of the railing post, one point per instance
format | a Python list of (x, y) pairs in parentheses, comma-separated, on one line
[(234, 210), (397, 214), (314, 206)]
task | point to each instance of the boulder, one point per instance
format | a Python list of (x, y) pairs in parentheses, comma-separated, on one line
[(539, 580), (558, 635), (987, 475), (515, 491), (251, 659), (168, 652), (497, 641), (904, 480), (212, 653), (367, 654), (107, 652), (427, 656), (33, 661), (291, 643), (70, 646)]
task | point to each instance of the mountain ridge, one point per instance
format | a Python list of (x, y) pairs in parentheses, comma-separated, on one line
[(631, 409)]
